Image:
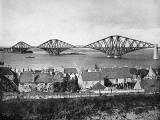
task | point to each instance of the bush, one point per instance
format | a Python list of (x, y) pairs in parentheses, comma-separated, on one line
[(77, 108)]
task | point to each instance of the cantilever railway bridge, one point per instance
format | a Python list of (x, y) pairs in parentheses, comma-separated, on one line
[(55, 46), (112, 46), (116, 46), (20, 47)]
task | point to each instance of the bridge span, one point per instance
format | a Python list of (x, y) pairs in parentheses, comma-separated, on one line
[(116, 46), (55, 46), (113, 46), (20, 47)]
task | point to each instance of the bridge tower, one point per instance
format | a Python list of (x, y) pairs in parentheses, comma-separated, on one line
[(55, 46), (155, 56)]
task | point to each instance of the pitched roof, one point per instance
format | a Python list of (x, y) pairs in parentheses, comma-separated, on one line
[(137, 85), (151, 72), (70, 70), (26, 77), (114, 73), (58, 77), (98, 86), (5, 71), (44, 78), (91, 76)]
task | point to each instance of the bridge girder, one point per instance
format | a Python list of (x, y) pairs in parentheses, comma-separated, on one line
[(116, 46), (55, 46), (20, 47)]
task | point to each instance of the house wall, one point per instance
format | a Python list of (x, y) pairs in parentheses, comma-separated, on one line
[(26, 87), (114, 81), (44, 87), (129, 80), (120, 80)]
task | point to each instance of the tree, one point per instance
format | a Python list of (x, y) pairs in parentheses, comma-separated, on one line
[(72, 85), (142, 73), (107, 82), (76, 84), (65, 83), (16, 81), (133, 71), (67, 76), (96, 67), (57, 87)]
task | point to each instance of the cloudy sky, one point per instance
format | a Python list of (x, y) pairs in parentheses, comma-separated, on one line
[(78, 22)]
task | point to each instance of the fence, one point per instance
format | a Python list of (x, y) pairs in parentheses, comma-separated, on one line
[(42, 95)]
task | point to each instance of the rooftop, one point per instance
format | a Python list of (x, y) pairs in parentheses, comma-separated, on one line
[(26, 77), (114, 73), (91, 76), (98, 86), (70, 70), (43, 78), (111, 73), (58, 77)]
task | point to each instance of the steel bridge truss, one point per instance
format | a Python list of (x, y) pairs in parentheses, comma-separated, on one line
[(55, 46), (116, 46), (20, 47)]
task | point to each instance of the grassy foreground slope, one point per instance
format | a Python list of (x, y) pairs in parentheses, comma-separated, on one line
[(81, 108)]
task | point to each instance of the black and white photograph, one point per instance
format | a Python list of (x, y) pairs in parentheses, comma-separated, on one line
[(79, 60)]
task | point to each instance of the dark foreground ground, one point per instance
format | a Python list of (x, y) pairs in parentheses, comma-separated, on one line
[(120, 107)]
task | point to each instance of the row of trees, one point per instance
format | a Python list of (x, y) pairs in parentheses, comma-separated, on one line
[(128, 85), (8, 85), (139, 72), (68, 85)]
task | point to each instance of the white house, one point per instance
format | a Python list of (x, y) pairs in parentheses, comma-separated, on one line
[(71, 72), (117, 75)]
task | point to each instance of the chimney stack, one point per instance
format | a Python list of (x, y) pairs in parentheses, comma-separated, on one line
[(155, 56)]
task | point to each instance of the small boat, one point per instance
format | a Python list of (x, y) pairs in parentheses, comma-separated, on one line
[(30, 57)]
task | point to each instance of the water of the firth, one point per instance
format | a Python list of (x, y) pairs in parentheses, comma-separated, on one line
[(143, 58)]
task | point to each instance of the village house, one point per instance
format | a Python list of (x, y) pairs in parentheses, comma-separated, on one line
[(44, 82), (50, 71), (71, 72), (26, 82), (117, 75), (88, 79), (58, 76)]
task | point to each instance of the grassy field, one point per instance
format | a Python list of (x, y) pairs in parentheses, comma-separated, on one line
[(78, 108)]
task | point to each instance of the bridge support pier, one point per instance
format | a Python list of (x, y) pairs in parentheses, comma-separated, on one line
[(155, 56), (113, 56)]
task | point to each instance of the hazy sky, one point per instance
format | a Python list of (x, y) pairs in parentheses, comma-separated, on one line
[(78, 22)]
